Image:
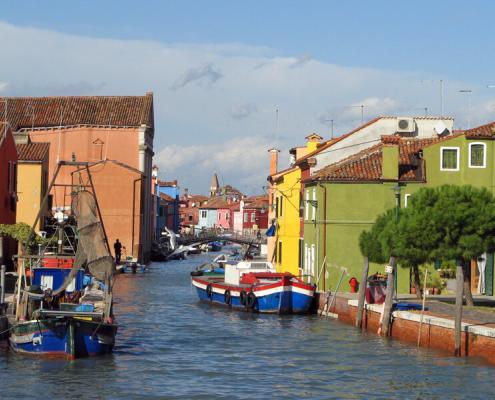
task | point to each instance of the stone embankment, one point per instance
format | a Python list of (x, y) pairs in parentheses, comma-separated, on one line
[(437, 326)]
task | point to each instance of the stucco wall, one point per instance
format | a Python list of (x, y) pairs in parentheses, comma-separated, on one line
[(29, 181), (371, 134), (288, 232)]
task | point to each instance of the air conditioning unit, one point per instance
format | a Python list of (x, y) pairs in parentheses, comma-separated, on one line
[(406, 125)]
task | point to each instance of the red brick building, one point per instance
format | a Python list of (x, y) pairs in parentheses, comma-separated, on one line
[(8, 190), (115, 134)]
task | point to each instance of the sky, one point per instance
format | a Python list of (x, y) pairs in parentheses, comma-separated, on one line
[(220, 70)]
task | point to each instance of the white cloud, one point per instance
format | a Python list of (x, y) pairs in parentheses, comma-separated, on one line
[(241, 111), (242, 162), (225, 93), (3, 85)]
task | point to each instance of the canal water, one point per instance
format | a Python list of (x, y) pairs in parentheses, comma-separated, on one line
[(171, 346)]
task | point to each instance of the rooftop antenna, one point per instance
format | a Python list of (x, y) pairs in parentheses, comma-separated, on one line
[(440, 81), (468, 92), (362, 111)]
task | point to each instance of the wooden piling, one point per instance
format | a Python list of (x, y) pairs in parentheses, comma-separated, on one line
[(362, 293)]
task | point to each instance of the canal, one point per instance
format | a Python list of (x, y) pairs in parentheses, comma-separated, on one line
[(171, 346)]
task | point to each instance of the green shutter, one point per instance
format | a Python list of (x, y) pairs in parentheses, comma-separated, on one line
[(477, 156), (489, 275), (449, 159)]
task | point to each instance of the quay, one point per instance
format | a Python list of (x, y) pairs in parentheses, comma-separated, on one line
[(437, 326)]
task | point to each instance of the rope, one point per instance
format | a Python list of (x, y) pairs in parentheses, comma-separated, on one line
[(1, 333)]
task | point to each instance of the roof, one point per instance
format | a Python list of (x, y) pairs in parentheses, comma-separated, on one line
[(167, 183), (166, 197), (258, 203), (215, 203), (44, 112), (197, 197), (366, 165), (486, 131), (32, 151)]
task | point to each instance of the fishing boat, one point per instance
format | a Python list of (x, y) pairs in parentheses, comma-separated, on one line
[(63, 301), (255, 286), (131, 267)]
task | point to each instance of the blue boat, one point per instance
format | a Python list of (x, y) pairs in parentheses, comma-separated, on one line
[(64, 306), (254, 286)]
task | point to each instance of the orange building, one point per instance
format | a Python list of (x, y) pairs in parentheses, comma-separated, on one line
[(113, 133)]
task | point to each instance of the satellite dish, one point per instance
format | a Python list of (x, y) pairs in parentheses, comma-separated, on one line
[(439, 128)]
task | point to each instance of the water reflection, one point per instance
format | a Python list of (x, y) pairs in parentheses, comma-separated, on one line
[(169, 345)]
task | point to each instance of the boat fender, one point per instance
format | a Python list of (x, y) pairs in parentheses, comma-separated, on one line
[(243, 297), (227, 297), (209, 291), (251, 300)]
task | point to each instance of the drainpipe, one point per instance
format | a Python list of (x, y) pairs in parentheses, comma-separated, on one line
[(324, 223)]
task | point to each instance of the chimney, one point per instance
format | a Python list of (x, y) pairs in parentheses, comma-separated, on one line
[(273, 160), (312, 142), (390, 157)]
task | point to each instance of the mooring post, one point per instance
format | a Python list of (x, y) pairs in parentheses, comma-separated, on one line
[(362, 293), (458, 308), (2, 284), (389, 297)]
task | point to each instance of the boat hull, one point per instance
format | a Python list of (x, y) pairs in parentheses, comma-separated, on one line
[(276, 298), (69, 338)]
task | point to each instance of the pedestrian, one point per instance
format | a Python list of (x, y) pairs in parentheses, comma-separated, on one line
[(118, 251)]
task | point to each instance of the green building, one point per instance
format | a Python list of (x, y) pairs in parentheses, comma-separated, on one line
[(351, 193)]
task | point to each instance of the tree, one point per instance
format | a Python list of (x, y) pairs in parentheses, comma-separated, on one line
[(451, 223)]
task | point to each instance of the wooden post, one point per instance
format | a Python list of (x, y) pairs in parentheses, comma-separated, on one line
[(389, 296), (362, 293), (458, 308), (422, 308)]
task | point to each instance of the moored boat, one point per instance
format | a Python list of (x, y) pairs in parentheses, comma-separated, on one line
[(63, 300), (255, 286)]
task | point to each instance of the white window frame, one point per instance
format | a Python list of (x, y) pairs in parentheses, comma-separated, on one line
[(484, 155), (253, 217), (406, 199), (458, 158)]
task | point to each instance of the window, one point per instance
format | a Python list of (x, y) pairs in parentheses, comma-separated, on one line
[(279, 252), (203, 213), (246, 217), (477, 155), (253, 217), (449, 159), (227, 216), (190, 217), (219, 216), (406, 199), (280, 203), (276, 207)]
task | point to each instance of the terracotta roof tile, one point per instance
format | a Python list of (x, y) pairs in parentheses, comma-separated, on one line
[(25, 112), (215, 202), (32, 151), (486, 131), (367, 164)]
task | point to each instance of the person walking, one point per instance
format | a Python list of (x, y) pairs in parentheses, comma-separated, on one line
[(117, 246)]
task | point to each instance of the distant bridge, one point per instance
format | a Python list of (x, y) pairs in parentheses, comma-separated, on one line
[(213, 235)]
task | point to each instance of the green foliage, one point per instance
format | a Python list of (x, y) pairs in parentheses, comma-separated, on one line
[(446, 223), (451, 222), (19, 231)]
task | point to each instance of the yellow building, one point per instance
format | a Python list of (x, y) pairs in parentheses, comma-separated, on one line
[(284, 249), (32, 181)]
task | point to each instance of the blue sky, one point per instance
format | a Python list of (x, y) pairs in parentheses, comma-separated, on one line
[(219, 69)]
